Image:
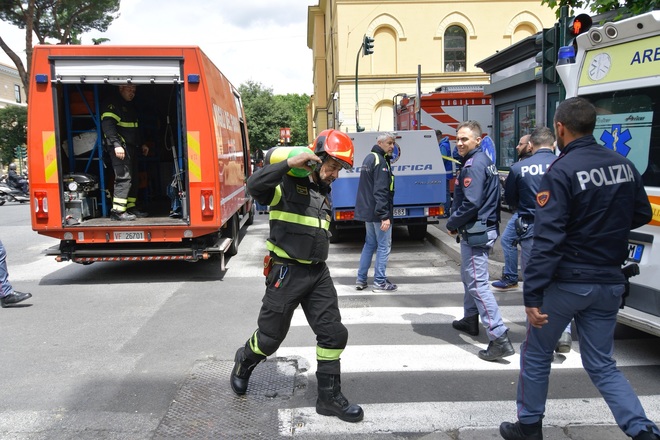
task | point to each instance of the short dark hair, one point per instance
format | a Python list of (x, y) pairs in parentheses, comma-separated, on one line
[(542, 137), (473, 126), (578, 116), (438, 132)]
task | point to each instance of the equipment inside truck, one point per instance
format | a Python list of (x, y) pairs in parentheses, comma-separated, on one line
[(86, 167)]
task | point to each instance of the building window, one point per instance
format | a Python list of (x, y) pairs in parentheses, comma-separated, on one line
[(17, 93), (455, 49)]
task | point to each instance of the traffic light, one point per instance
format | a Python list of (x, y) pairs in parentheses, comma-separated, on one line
[(367, 45), (548, 41), (20, 152), (574, 26)]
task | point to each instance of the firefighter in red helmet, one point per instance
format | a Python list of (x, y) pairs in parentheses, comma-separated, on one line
[(296, 272)]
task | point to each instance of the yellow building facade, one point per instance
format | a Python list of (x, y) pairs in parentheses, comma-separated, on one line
[(438, 41)]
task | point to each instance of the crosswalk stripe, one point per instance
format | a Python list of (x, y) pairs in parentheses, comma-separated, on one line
[(424, 417), (410, 315), (450, 357)]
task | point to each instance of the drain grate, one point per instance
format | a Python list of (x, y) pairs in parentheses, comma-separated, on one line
[(206, 408)]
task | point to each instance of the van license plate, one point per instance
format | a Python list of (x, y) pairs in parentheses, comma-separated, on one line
[(635, 252), (129, 236), (399, 212)]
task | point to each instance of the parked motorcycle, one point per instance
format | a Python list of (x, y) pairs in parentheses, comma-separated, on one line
[(9, 194)]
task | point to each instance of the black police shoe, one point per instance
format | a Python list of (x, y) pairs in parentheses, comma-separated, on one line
[(647, 435), (497, 349), (521, 431), (13, 298), (121, 216), (469, 325)]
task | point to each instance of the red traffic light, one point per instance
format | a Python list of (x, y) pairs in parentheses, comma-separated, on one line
[(579, 25)]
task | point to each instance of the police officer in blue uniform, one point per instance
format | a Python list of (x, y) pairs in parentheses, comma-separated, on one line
[(296, 272), (475, 215), (588, 202), (520, 190), (523, 183)]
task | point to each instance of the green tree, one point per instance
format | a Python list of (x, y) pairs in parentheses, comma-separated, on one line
[(601, 6), (61, 21), (296, 107), (13, 131), (267, 113)]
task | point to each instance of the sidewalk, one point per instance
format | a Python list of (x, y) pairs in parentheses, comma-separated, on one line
[(437, 235)]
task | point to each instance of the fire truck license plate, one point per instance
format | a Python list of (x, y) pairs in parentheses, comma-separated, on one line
[(399, 212), (635, 252), (129, 236)]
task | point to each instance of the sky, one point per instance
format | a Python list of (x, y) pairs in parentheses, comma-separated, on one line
[(263, 41)]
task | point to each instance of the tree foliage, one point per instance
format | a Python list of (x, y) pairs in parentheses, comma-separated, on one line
[(59, 21), (13, 131), (267, 113), (602, 6)]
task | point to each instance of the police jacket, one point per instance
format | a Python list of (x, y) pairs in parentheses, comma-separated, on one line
[(588, 201), (299, 213), (524, 180), (375, 195), (120, 123), (476, 192)]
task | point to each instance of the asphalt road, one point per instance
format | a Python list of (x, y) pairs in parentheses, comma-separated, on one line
[(144, 350)]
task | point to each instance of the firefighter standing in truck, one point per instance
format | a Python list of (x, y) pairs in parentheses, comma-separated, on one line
[(120, 127), (296, 272)]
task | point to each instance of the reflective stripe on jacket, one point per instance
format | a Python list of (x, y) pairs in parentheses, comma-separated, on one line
[(299, 213)]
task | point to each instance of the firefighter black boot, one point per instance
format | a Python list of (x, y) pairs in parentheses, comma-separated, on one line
[(331, 402), (243, 366), (521, 431), (469, 325)]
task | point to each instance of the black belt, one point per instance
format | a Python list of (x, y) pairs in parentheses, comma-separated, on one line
[(290, 262)]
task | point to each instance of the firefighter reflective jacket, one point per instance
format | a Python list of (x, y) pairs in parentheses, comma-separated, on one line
[(299, 213)]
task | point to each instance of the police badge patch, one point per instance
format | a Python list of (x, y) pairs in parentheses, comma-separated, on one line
[(542, 198), (467, 181), (302, 190)]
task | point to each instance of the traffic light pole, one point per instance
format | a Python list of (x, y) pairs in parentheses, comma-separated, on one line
[(357, 108)]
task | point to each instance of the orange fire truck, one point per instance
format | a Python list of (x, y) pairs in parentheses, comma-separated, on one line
[(192, 183), (444, 109)]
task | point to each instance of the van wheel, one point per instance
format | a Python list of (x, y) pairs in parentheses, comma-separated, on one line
[(232, 232), (417, 232)]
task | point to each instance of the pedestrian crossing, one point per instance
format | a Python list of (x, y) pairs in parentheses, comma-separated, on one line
[(430, 296)]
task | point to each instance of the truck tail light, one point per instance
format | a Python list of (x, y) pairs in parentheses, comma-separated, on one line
[(344, 215), (207, 203), (41, 205), (434, 211)]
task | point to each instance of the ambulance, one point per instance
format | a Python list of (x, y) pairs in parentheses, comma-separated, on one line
[(192, 182), (617, 68)]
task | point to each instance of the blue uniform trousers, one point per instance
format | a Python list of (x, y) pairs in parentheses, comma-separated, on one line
[(594, 307), (510, 250), (478, 297)]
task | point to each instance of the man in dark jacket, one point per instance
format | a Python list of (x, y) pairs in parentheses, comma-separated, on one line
[(475, 215), (16, 180), (375, 207), (296, 273), (587, 203), (120, 128)]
